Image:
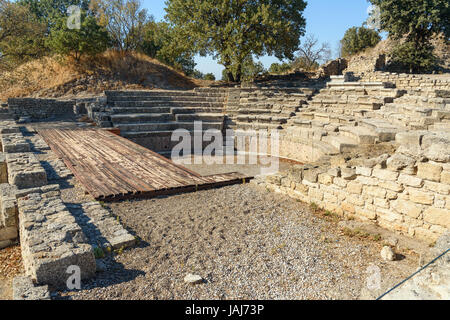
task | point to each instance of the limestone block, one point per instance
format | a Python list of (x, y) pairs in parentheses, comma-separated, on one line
[(340, 182), (412, 181), (376, 192), (348, 173), (399, 161), (311, 174), (364, 171), (421, 197), (369, 214), (437, 216), (24, 289), (325, 178), (354, 187), (348, 207), (441, 188), (429, 171), (391, 185), (407, 207), (15, 142), (426, 235), (51, 240), (25, 170), (315, 194), (445, 177), (385, 174)]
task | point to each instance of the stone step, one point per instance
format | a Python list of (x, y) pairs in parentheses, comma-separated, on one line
[(384, 129), (262, 119), (257, 126), (116, 110), (163, 99), (362, 135), (307, 133), (142, 118), (165, 93), (440, 127), (166, 126), (159, 134), (6, 116), (149, 104), (341, 143), (189, 110), (213, 117), (408, 109), (441, 114)]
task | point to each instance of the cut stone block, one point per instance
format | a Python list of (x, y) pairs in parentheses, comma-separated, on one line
[(25, 170), (24, 289), (14, 143), (51, 240)]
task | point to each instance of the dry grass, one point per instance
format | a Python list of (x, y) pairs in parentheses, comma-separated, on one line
[(59, 77)]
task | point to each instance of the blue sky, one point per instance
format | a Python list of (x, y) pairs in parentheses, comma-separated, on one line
[(326, 19)]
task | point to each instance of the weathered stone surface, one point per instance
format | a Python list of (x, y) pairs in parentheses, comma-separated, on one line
[(387, 254), (429, 171), (409, 180), (24, 289), (421, 197), (407, 207), (14, 143), (52, 240), (25, 171), (437, 216), (399, 161), (385, 174)]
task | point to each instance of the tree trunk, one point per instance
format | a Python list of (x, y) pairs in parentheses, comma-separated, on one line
[(238, 73), (230, 76)]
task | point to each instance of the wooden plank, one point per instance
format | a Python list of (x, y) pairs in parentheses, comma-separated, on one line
[(112, 168)]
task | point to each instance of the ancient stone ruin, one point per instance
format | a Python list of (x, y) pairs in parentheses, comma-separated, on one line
[(372, 147)]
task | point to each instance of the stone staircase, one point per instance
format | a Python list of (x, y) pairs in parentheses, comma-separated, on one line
[(266, 109), (342, 116), (418, 110), (150, 117)]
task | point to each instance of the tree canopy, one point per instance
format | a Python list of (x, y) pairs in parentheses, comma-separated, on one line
[(90, 39), (414, 22), (357, 39), (21, 34), (233, 30)]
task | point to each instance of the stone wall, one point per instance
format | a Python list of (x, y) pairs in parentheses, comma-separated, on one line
[(38, 109), (408, 81), (407, 192)]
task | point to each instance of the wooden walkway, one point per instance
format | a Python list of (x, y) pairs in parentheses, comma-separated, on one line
[(112, 168)]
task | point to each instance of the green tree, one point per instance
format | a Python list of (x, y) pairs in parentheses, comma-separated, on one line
[(414, 21), (50, 11), (125, 21), (159, 42), (90, 39), (209, 77), (250, 70), (233, 30), (21, 35), (279, 68), (357, 39), (407, 56)]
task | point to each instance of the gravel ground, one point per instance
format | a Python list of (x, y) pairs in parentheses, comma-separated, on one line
[(10, 266), (246, 243)]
